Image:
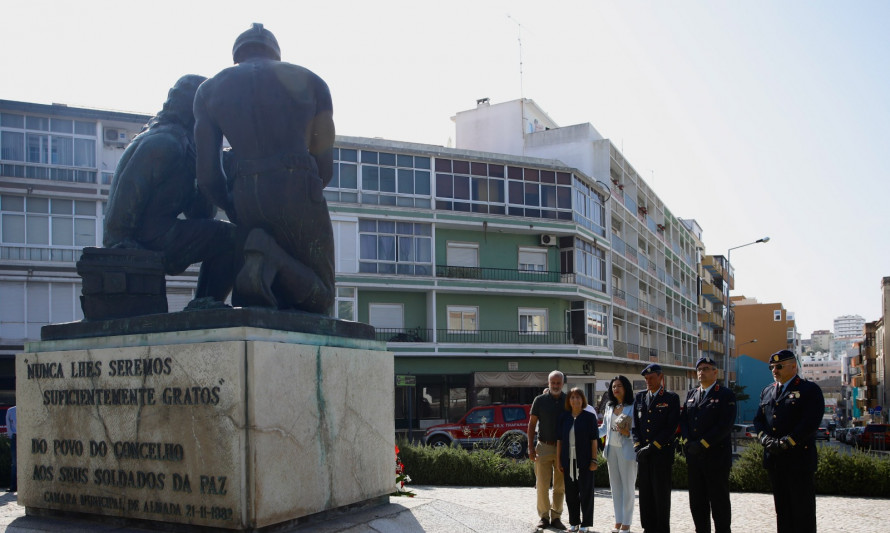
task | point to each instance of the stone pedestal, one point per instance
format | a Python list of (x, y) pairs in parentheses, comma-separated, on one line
[(237, 428)]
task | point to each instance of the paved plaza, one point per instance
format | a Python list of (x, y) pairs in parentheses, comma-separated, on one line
[(473, 509)]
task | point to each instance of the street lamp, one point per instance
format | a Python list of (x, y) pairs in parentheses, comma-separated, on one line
[(752, 341), (727, 330)]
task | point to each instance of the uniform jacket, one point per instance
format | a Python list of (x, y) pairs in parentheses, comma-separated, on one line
[(796, 413), (656, 422), (708, 418), (628, 448)]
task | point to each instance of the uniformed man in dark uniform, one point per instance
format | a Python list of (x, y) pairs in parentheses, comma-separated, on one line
[(656, 414), (790, 412), (706, 419)]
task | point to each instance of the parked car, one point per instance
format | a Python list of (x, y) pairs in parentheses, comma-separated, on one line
[(875, 436), (853, 435), (741, 431), (501, 426), (823, 433), (841, 434)]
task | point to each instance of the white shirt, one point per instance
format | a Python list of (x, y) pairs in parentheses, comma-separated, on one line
[(10, 421)]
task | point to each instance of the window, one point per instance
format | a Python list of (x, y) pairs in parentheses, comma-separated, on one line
[(27, 306), (387, 247), (590, 265), (44, 145), (477, 187), (532, 321), (597, 321), (345, 303), (462, 254), (346, 245), (395, 179), (45, 229), (470, 186), (344, 183), (481, 416), (386, 316), (463, 319), (533, 259), (777, 315), (590, 210), (539, 193), (512, 414)]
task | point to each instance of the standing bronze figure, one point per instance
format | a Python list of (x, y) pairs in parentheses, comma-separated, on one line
[(278, 118)]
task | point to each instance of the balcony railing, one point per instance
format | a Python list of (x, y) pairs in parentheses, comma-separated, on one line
[(502, 274), (482, 336), (41, 253)]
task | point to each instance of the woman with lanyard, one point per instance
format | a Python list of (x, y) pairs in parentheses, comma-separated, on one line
[(619, 450), (576, 452)]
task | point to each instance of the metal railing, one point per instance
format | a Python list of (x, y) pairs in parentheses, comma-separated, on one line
[(501, 274), (482, 336)]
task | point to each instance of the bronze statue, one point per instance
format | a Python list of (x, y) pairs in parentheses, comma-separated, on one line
[(154, 182), (278, 118)]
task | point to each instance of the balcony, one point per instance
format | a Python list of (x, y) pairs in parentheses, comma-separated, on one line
[(714, 320), (502, 274), (483, 336), (651, 355), (711, 346), (711, 293)]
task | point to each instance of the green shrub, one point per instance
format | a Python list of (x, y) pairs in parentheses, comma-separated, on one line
[(482, 467), (456, 466), (858, 474), (679, 473), (748, 474)]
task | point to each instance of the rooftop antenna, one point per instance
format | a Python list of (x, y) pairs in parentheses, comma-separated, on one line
[(519, 30)]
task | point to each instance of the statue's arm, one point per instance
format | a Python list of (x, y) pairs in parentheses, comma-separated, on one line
[(321, 135), (200, 207), (208, 142)]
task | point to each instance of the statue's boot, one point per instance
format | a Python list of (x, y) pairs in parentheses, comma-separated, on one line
[(254, 280)]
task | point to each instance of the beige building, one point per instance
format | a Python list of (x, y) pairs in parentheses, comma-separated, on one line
[(820, 340)]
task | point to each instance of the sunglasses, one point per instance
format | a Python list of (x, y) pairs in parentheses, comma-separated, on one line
[(778, 366)]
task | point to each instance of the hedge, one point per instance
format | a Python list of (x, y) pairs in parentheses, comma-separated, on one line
[(858, 474)]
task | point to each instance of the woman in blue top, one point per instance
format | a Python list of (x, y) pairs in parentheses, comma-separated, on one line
[(619, 449), (576, 452)]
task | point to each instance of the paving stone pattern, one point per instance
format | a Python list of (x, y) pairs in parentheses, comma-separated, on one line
[(508, 510)]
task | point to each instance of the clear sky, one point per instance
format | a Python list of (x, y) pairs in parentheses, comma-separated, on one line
[(756, 118)]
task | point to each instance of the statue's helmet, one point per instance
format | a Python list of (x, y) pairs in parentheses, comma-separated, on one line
[(256, 36)]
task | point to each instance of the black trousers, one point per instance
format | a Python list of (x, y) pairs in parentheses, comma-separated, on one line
[(709, 491), (13, 474), (794, 494), (579, 498), (654, 481)]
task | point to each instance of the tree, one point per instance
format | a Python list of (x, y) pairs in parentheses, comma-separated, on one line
[(739, 391)]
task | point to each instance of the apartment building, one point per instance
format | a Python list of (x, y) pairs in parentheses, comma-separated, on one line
[(483, 267), (653, 259), (56, 164), (821, 341), (849, 327)]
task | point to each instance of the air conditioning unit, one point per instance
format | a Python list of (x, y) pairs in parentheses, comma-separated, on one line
[(548, 240), (115, 136)]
